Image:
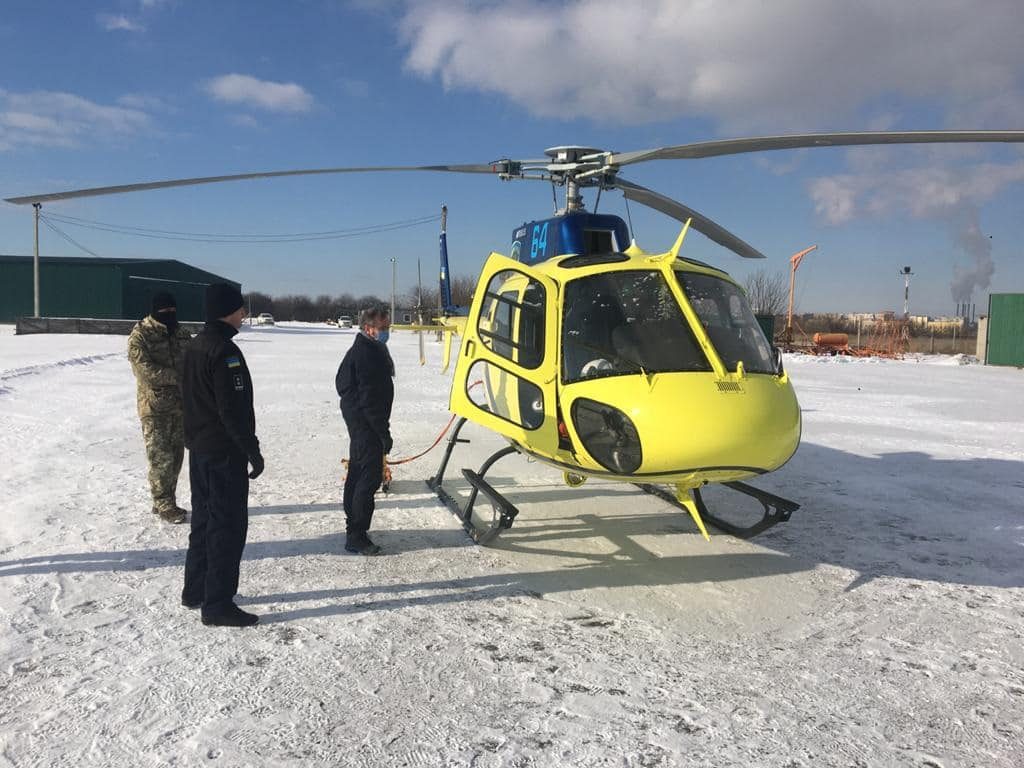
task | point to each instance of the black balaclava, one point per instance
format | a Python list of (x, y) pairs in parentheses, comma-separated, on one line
[(165, 311)]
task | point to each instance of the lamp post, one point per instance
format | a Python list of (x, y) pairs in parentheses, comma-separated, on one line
[(394, 273), (906, 274), (35, 265)]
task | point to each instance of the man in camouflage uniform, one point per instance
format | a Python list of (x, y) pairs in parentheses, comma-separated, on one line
[(156, 349)]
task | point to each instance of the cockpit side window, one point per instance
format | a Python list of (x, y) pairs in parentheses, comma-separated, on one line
[(511, 322), (622, 323), (730, 323)]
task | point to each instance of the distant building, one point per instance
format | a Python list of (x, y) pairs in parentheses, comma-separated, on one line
[(945, 324), (101, 288)]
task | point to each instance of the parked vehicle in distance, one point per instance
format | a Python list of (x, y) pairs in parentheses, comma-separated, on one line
[(264, 318), (344, 321)]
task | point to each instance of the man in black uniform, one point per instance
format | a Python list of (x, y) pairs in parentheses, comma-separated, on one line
[(367, 393), (220, 432)]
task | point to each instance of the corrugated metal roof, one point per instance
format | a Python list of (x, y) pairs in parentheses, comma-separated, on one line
[(87, 260)]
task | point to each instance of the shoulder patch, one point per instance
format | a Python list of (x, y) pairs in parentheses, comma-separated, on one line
[(233, 361)]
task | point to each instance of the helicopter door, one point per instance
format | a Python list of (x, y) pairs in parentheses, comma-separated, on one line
[(505, 376)]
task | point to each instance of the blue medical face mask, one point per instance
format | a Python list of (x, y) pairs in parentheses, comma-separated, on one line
[(383, 336)]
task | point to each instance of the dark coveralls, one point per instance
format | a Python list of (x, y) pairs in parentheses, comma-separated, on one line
[(220, 433), (367, 393)]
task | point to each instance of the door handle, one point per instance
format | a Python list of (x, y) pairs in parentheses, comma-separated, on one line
[(470, 348)]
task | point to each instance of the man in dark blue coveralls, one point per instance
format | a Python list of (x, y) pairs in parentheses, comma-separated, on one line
[(367, 393), (220, 432)]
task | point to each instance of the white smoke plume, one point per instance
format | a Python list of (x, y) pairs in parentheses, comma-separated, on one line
[(977, 275)]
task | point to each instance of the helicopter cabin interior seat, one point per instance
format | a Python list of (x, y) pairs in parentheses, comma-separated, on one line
[(659, 345), (589, 326)]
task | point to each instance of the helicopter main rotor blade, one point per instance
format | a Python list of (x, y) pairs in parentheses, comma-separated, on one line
[(703, 149), (677, 210), (492, 168)]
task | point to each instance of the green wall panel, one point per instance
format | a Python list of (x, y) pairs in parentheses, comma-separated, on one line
[(1005, 329), (101, 288)]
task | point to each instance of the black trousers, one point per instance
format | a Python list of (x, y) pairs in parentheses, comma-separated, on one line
[(220, 522), (365, 474)]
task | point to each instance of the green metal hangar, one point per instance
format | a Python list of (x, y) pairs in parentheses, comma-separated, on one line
[(1001, 333), (101, 288)]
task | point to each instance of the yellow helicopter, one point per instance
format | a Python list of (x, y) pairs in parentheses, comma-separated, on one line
[(602, 360)]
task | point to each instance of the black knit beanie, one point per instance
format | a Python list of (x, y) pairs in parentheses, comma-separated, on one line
[(163, 300), (222, 300)]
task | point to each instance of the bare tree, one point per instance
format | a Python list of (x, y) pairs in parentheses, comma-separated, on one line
[(462, 290), (259, 302), (768, 293)]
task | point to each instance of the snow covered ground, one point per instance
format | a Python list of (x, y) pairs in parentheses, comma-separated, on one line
[(882, 626)]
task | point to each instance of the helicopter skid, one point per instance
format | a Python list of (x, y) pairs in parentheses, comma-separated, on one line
[(775, 508), (504, 511)]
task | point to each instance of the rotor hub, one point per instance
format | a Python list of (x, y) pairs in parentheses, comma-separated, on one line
[(573, 154)]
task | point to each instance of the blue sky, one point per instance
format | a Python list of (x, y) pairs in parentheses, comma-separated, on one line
[(122, 91)]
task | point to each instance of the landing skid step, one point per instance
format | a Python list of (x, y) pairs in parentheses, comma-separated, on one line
[(776, 509), (504, 511)]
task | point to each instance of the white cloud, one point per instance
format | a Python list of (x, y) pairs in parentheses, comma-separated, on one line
[(924, 192), (49, 118), (745, 65), (119, 23), (261, 94)]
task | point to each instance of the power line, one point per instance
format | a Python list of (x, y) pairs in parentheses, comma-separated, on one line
[(66, 236), (205, 237)]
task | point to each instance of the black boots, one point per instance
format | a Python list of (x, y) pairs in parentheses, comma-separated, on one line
[(361, 545)]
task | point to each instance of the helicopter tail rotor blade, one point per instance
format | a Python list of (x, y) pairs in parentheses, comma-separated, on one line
[(677, 210), (703, 149), (498, 167)]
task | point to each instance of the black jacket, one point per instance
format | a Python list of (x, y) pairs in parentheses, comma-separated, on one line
[(366, 390), (217, 395)]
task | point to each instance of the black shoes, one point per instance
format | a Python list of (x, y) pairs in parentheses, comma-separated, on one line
[(191, 606), (232, 617), (361, 545)]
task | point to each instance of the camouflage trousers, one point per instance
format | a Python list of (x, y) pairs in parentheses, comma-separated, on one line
[(164, 435)]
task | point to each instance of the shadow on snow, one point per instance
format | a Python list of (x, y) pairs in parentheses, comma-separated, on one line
[(903, 515)]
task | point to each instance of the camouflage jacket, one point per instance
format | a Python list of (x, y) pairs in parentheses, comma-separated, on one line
[(157, 359)]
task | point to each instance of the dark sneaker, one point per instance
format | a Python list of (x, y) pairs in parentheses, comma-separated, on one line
[(190, 605), (174, 515), (232, 617), (361, 546)]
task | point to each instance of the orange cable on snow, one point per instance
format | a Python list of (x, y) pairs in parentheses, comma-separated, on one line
[(432, 445), (438, 440)]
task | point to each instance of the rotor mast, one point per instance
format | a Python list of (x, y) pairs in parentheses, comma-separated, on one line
[(575, 167)]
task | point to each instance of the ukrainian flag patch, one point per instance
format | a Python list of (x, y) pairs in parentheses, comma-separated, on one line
[(234, 362)]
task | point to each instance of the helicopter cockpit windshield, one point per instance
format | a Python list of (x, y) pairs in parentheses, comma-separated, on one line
[(729, 322), (626, 322)]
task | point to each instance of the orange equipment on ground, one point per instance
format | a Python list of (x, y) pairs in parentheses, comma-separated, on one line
[(831, 340), (794, 262)]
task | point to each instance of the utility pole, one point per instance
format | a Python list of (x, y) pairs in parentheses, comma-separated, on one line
[(35, 265), (394, 274)]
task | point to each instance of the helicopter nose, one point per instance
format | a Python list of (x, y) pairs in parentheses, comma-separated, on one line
[(680, 423)]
